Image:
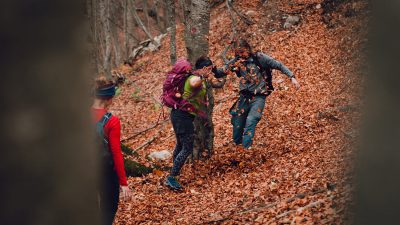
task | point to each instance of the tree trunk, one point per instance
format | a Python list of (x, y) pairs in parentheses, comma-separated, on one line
[(197, 29), (139, 21), (146, 13), (197, 25), (204, 130), (130, 25), (94, 45), (126, 32), (165, 12), (104, 15), (44, 105), (92, 41), (115, 37), (172, 25), (155, 8), (185, 12)]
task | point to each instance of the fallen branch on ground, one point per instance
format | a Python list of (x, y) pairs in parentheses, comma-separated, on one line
[(298, 196), (146, 143), (263, 206), (128, 151), (145, 130), (168, 137), (241, 16), (301, 209), (326, 115)]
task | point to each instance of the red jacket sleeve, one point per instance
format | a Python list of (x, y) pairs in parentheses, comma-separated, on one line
[(113, 130)]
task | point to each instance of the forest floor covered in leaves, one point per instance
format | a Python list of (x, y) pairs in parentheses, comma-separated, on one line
[(299, 170)]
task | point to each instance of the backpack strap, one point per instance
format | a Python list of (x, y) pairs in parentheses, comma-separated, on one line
[(104, 119), (102, 122)]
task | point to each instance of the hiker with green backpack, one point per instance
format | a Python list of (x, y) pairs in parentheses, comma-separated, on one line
[(184, 91), (255, 73)]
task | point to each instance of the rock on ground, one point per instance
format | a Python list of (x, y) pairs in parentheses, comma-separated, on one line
[(161, 155)]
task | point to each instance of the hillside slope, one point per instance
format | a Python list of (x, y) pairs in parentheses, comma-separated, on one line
[(301, 156)]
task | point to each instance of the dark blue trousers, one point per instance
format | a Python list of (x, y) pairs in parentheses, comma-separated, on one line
[(182, 123), (109, 196)]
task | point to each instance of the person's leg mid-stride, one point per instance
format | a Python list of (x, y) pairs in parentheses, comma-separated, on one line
[(254, 115)]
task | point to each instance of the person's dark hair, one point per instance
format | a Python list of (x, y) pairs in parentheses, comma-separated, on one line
[(203, 61), (242, 43), (104, 88)]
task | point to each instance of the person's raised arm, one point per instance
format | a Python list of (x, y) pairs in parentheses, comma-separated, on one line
[(267, 61)]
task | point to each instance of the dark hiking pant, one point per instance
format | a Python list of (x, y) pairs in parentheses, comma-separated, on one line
[(109, 196), (182, 123), (246, 113)]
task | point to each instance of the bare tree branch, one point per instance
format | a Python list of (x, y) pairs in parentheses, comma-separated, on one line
[(139, 21), (263, 206), (172, 25), (119, 26), (104, 12), (146, 143), (145, 130), (299, 210), (234, 31)]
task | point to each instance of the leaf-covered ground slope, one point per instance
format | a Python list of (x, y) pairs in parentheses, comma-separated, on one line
[(299, 169)]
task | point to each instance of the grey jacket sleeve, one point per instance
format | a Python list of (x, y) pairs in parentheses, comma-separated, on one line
[(268, 61)]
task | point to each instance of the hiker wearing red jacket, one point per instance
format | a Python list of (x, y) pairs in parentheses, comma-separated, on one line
[(113, 178)]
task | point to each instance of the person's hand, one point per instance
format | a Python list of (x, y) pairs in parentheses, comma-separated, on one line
[(295, 83), (125, 193)]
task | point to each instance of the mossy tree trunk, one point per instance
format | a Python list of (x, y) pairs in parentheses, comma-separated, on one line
[(197, 26)]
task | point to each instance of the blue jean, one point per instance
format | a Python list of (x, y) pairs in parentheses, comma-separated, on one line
[(246, 113)]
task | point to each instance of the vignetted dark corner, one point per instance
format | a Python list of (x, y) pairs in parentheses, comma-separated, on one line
[(317, 145)]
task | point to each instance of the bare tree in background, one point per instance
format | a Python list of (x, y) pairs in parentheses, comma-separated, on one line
[(172, 25), (92, 8), (114, 27), (157, 16), (129, 26), (104, 15), (146, 12), (139, 21), (197, 28)]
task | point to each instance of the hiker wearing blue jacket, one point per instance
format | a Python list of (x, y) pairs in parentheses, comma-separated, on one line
[(255, 73)]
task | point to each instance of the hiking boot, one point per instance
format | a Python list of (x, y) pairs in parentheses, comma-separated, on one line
[(172, 183)]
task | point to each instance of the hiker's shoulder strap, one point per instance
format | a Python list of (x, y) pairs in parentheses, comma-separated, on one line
[(102, 122), (106, 117)]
